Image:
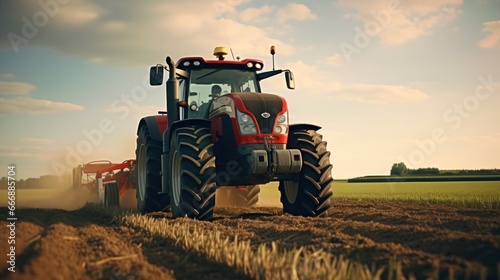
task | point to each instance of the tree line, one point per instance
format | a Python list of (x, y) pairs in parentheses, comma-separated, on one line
[(400, 169), (45, 181)]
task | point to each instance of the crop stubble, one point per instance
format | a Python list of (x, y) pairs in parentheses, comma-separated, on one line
[(425, 239)]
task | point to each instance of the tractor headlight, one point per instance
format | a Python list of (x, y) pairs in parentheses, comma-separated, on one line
[(246, 123), (281, 123), (281, 118), (280, 129), (249, 129), (244, 118)]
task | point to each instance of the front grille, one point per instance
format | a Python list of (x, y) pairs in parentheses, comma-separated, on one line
[(259, 103)]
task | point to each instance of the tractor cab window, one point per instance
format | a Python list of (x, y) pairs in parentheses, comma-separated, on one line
[(208, 84)]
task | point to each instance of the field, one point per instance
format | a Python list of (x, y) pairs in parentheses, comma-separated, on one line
[(375, 230)]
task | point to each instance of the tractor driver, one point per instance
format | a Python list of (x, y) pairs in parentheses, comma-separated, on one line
[(215, 92)]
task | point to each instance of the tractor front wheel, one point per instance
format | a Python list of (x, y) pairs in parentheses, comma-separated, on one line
[(310, 194), (192, 163), (148, 184)]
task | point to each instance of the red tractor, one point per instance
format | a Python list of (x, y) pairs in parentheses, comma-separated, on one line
[(222, 131)]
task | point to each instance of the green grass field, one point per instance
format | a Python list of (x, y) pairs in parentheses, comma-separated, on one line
[(481, 194)]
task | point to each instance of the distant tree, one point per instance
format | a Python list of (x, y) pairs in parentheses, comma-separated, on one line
[(424, 171), (399, 169)]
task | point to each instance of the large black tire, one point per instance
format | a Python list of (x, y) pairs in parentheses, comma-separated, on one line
[(237, 197), (111, 195), (310, 195), (192, 165), (148, 184)]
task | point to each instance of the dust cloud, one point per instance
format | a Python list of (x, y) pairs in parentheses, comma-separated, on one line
[(269, 196), (74, 198), (60, 198), (65, 198), (128, 200)]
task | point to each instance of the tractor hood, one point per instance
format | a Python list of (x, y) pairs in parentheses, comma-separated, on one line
[(263, 107)]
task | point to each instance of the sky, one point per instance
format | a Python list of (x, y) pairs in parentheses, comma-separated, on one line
[(388, 81)]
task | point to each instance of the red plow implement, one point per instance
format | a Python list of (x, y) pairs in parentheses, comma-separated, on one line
[(109, 180)]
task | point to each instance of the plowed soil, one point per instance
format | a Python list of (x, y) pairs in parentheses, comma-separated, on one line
[(428, 240)]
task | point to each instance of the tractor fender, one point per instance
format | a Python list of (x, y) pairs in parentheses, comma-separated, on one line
[(156, 126), (304, 126), (182, 123)]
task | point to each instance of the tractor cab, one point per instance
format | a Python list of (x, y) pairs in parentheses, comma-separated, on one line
[(202, 81)]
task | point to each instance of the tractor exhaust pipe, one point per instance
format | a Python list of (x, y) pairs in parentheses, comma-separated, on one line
[(172, 93)]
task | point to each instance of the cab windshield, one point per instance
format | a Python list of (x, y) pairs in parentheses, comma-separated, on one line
[(207, 84)]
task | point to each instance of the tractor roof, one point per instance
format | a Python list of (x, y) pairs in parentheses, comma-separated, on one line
[(196, 62)]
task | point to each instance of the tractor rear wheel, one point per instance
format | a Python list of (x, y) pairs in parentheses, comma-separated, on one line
[(148, 184), (237, 197), (111, 195), (310, 194), (192, 165)]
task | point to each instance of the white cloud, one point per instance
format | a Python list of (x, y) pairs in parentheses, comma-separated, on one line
[(380, 94), (336, 60), (492, 40), (19, 101), (257, 14), (310, 78), (144, 32), (77, 12), (289, 12), (28, 105), (397, 22), (15, 88), (315, 82), (294, 11)]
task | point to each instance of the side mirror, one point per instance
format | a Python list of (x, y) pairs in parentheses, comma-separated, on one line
[(290, 81), (156, 75)]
